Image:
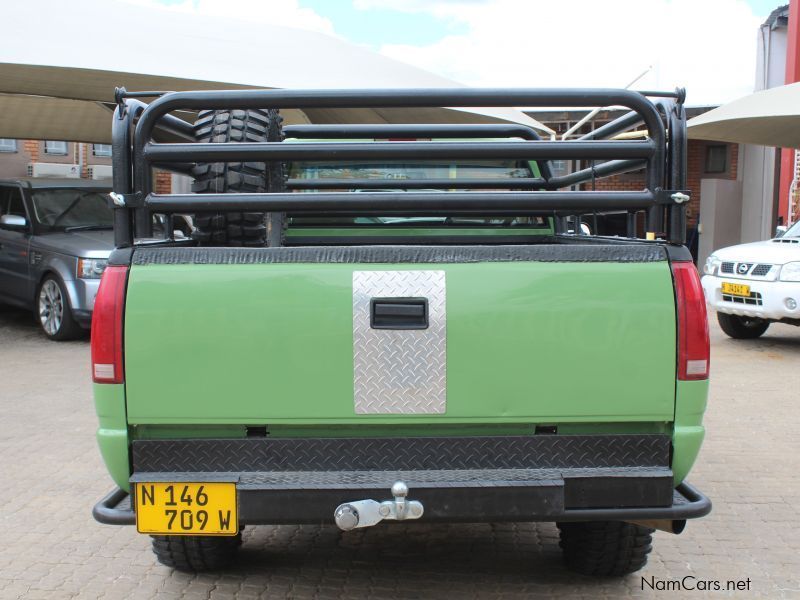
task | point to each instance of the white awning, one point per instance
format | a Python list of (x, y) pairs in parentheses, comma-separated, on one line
[(61, 86), (768, 118)]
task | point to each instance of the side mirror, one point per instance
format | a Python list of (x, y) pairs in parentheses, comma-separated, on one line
[(13, 222), (780, 230)]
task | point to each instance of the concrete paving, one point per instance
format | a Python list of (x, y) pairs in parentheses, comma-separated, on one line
[(51, 474)]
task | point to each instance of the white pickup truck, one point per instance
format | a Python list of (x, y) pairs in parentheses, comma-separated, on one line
[(753, 285)]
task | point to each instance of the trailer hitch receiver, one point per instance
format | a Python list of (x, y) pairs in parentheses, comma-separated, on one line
[(366, 513)]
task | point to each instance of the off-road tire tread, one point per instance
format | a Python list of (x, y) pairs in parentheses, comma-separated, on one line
[(605, 548), (194, 554), (733, 326), (234, 126)]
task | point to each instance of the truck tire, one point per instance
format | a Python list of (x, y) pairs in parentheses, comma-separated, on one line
[(195, 553), (54, 313), (238, 228), (742, 328), (605, 548)]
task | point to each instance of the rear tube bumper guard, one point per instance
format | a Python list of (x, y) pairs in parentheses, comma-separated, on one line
[(115, 509)]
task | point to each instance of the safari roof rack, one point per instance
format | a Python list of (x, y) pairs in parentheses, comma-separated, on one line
[(146, 136)]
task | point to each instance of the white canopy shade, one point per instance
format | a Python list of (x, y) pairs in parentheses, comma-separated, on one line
[(768, 118), (62, 86)]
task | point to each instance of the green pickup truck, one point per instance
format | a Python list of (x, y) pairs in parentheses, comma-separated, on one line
[(364, 330)]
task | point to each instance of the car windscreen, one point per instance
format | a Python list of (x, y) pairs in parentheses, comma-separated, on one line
[(396, 170), (59, 209), (422, 169), (793, 231)]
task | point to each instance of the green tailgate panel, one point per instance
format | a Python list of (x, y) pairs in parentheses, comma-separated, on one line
[(526, 342)]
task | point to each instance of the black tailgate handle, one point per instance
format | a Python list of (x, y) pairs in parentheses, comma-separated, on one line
[(398, 313)]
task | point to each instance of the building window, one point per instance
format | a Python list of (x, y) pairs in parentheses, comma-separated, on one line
[(717, 158), (51, 147), (559, 168), (101, 149), (8, 145)]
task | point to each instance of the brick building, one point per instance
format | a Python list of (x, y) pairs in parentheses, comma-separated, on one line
[(49, 158), (35, 158), (706, 160)]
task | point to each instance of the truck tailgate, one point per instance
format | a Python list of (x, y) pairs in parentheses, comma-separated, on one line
[(555, 335)]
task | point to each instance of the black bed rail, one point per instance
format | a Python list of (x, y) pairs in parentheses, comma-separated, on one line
[(407, 203), (138, 148)]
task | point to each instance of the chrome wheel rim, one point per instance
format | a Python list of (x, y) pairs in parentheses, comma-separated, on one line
[(51, 307)]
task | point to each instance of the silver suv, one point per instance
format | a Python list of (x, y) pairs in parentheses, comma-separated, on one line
[(55, 238)]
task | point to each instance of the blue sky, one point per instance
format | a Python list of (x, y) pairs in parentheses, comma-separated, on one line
[(384, 25), (377, 26)]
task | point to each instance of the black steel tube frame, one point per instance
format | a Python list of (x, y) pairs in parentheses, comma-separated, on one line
[(127, 225), (611, 167), (408, 203), (355, 132), (122, 172), (694, 505), (651, 152), (445, 130), (614, 127), (675, 115), (266, 151)]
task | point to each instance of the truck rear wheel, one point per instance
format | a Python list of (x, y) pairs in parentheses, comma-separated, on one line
[(605, 548), (238, 228), (194, 553), (742, 328)]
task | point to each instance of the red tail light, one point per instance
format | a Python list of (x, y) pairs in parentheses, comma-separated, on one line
[(107, 327), (693, 344)]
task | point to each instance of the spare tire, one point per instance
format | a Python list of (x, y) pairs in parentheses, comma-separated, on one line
[(238, 228)]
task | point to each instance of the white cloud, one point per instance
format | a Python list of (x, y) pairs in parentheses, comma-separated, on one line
[(286, 13), (708, 46)]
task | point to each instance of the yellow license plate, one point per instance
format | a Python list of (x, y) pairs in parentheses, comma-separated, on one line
[(735, 289), (186, 508)]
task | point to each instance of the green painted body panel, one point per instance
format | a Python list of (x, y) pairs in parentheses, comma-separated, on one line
[(526, 343), (690, 404), (112, 433)]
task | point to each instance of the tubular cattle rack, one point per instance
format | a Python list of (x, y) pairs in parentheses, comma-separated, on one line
[(148, 136)]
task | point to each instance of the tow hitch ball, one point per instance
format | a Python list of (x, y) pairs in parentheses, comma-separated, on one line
[(366, 513)]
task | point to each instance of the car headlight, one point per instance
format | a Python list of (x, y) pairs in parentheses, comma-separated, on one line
[(91, 268), (790, 272), (712, 265)]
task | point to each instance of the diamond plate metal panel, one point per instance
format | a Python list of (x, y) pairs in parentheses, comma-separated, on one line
[(399, 371), (387, 454)]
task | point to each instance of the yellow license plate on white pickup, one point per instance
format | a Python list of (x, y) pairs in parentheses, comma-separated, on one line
[(186, 508), (735, 289)]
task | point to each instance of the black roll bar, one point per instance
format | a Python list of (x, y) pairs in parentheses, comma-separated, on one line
[(354, 132), (264, 151), (138, 152), (406, 203)]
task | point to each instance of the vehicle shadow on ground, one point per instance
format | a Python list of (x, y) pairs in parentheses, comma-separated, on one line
[(410, 560), (784, 340), (19, 324), (17, 321)]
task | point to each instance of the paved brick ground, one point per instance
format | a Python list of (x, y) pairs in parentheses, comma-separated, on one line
[(50, 474)]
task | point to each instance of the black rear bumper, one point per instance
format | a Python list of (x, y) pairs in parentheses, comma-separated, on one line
[(687, 503), (469, 479)]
